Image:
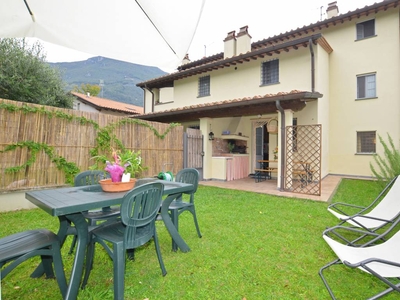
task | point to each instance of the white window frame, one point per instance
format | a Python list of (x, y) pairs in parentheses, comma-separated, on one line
[(366, 86)]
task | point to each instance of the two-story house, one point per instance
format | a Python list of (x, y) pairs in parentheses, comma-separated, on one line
[(332, 86)]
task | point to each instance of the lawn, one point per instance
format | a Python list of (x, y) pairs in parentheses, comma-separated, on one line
[(254, 246)]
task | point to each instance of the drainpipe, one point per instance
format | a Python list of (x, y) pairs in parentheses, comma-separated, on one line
[(312, 66), (282, 146)]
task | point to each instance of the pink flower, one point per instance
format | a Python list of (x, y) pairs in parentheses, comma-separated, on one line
[(115, 171)]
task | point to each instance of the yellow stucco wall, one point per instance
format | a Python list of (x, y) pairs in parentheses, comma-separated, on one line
[(243, 80), (378, 54), (322, 106)]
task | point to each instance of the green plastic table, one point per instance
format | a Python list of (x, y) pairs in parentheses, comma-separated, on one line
[(68, 203)]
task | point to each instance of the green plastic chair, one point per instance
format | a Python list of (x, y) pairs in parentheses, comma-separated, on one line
[(94, 216), (178, 206), (19, 247), (137, 226)]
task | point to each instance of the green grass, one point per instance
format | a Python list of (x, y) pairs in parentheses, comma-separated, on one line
[(254, 246)]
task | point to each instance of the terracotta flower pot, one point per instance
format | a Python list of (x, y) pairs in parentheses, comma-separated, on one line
[(114, 187)]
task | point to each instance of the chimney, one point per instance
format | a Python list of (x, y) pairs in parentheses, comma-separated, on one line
[(186, 59), (243, 44), (230, 45), (332, 10)]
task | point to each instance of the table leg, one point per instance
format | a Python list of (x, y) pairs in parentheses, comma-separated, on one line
[(77, 269), (170, 225), (63, 230)]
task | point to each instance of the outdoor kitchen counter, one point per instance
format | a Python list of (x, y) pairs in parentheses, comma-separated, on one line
[(228, 166)]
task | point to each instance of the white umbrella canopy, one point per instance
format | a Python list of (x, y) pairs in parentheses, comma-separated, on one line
[(155, 33)]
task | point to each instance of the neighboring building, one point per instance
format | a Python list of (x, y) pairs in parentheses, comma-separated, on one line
[(95, 104), (340, 75)]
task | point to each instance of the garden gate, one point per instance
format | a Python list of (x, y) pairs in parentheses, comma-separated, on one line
[(193, 150)]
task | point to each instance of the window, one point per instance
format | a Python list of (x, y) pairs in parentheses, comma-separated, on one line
[(365, 29), (270, 72), (366, 86), (204, 86), (366, 142)]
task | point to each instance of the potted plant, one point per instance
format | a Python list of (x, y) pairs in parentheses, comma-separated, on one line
[(123, 167), (132, 162)]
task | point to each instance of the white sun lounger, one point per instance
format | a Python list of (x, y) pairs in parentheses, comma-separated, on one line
[(381, 261), (385, 208)]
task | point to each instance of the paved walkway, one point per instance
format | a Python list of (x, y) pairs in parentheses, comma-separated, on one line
[(328, 187)]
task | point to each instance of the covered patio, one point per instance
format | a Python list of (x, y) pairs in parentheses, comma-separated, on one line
[(243, 115)]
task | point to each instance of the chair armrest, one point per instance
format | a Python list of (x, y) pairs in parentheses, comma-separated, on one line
[(350, 236), (337, 207), (364, 263), (353, 217), (339, 231)]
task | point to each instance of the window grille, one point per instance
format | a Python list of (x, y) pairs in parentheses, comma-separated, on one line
[(204, 86), (366, 142), (270, 72)]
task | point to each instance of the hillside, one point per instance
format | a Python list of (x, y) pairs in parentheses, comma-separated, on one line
[(119, 78)]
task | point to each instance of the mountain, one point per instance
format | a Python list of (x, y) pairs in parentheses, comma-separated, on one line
[(119, 78)]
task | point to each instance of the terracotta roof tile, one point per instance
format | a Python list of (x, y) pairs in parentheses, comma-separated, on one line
[(246, 106), (236, 100), (102, 103)]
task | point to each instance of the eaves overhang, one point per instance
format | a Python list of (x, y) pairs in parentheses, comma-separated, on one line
[(167, 80), (248, 106)]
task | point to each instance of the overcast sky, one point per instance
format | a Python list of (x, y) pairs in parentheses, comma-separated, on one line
[(264, 18)]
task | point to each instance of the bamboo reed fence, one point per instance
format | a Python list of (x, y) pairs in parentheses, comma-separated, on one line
[(71, 135)]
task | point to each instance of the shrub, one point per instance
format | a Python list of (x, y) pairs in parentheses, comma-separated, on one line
[(388, 165)]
